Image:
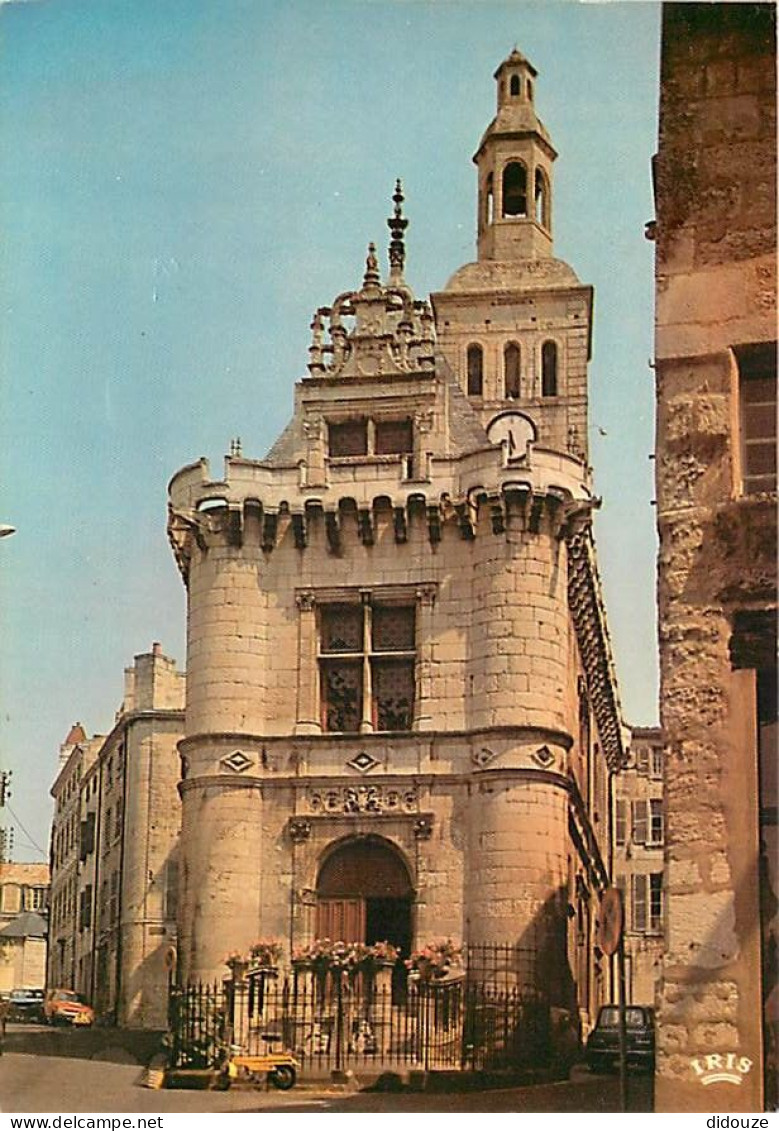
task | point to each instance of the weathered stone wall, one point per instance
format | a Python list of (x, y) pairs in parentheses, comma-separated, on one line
[(716, 233)]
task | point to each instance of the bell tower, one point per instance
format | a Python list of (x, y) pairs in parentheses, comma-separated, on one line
[(515, 325), (514, 160)]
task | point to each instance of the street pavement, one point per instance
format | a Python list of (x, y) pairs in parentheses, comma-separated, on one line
[(111, 1081)]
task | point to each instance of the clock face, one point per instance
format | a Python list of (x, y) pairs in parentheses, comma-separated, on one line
[(513, 430)]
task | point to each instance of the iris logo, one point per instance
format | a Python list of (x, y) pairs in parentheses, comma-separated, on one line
[(721, 1068)]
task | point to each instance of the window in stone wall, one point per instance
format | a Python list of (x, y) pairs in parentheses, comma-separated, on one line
[(393, 437), (647, 902), (656, 763), (620, 821), (640, 822), (367, 660), (384, 437), (349, 438), (642, 760), (656, 822), (511, 370), (549, 369), (118, 821), (757, 400), (475, 364)]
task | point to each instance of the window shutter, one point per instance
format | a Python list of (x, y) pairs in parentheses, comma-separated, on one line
[(639, 903), (640, 822)]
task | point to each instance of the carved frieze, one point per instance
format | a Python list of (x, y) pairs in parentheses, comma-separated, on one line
[(362, 799)]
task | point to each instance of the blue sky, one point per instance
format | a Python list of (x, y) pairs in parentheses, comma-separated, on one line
[(183, 184)]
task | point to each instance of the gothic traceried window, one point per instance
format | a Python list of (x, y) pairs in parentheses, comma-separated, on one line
[(367, 667)]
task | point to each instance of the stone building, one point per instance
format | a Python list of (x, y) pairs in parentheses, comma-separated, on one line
[(77, 754), (639, 839), (715, 180), (114, 852), (24, 905), (402, 718)]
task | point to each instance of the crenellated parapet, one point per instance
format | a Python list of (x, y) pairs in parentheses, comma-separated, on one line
[(259, 505)]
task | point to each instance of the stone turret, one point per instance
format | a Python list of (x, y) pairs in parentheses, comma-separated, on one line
[(515, 325), (395, 636)]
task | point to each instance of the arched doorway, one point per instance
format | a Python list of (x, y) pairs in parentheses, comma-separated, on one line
[(364, 894)]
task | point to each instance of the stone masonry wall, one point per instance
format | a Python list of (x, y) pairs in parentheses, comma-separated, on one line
[(716, 231)]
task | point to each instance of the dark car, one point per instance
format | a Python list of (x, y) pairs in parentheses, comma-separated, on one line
[(25, 1005), (602, 1052)]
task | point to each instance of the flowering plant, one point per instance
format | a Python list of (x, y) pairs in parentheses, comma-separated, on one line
[(265, 952), (436, 960), (234, 958)]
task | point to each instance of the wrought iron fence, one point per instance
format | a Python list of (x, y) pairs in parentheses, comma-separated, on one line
[(333, 1021)]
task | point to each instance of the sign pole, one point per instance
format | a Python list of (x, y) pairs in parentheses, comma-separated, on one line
[(623, 1035)]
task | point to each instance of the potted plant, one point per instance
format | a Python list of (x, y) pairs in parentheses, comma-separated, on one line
[(265, 955), (237, 964), (436, 961)]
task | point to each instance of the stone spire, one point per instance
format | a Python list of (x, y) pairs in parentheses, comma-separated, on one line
[(397, 225), (371, 278)]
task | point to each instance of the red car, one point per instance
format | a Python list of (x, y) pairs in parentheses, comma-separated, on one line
[(66, 1007)]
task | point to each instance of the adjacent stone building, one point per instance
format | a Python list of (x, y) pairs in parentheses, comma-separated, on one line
[(402, 718), (24, 904), (114, 852), (639, 840), (715, 176)]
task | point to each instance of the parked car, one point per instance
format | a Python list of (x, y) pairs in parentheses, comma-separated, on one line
[(66, 1007), (602, 1053), (25, 1005)]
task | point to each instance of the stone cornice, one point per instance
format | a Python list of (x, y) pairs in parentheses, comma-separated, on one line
[(530, 734)]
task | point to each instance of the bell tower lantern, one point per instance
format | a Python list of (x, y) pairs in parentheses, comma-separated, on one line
[(514, 160)]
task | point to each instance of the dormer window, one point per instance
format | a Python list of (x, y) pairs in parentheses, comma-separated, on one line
[(515, 87), (515, 189)]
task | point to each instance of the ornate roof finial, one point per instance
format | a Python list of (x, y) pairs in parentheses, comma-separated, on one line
[(371, 277), (397, 225)]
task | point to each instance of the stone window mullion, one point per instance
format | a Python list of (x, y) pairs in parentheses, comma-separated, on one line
[(366, 721), (307, 721)]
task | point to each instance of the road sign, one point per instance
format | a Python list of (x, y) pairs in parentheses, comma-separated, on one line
[(611, 921)]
